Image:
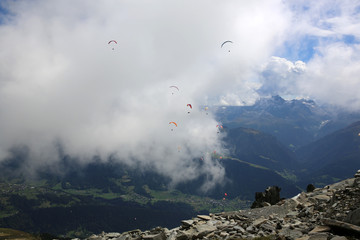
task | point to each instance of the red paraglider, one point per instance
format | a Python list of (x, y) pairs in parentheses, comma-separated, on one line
[(189, 105), (111, 43)]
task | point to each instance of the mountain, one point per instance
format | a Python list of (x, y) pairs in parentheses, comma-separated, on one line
[(332, 157), (102, 196), (295, 122), (259, 148), (325, 213), (275, 142)]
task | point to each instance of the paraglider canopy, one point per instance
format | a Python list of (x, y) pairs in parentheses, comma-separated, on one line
[(225, 43), (111, 42), (189, 105), (174, 124), (173, 88)]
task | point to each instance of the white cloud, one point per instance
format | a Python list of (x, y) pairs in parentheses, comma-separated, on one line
[(60, 82), (333, 76), (326, 35), (279, 76)]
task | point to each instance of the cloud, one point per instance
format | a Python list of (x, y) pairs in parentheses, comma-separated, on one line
[(62, 84), (320, 55), (279, 76), (332, 76)]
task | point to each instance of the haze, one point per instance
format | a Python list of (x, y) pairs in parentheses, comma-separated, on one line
[(61, 83)]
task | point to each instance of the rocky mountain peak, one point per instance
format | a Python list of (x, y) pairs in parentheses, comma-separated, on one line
[(332, 212)]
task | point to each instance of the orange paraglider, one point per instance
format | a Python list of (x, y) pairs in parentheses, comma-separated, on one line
[(174, 124)]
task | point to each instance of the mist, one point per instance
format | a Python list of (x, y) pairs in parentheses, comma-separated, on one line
[(63, 84)]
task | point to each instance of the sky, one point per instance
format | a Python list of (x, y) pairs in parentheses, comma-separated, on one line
[(61, 83)]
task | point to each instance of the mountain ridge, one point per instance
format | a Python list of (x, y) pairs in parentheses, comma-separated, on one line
[(320, 214), (294, 122)]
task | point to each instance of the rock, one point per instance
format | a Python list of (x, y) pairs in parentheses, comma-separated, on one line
[(158, 236), (250, 229), (339, 238), (268, 227), (204, 229), (342, 225), (187, 223), (291, 233), (259, 221), (271, 196), (292, 214), (125, 236), (303, 238), (239, 229), (319, 236), (172, 235), (204, 217), (318, 229), (322, 197), (357, 174), (112, 235), (354, 217), (310, 188), (343, 184), (182, 236)]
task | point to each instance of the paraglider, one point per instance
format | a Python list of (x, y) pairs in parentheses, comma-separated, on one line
[(189, 105), (219, 127), (112, 42), (174, 87), (226, 42), (174, 124), (225, 195), (206, 108)]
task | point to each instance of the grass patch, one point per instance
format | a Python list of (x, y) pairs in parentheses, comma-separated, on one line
[(250, 164), (287, 175), (8, 234)]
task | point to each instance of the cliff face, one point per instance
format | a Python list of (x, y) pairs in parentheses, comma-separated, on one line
[(332, 212)]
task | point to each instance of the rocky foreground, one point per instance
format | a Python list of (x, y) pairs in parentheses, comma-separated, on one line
[(332, 212)]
